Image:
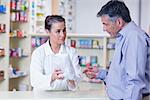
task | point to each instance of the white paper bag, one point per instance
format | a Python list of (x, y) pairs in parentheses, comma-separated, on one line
[(63, 62)]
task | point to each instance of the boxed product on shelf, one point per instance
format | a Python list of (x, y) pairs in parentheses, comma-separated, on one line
[(37, 41), (15, 73), (18, 5), (2, 9), (1, 74), (85, 43), (88, 61), (17, 52), (18, 33), (82, 43), (2, 51), (2, 28), (95, 44), (19, 10), (93, 60), (73, 43), (82, 61), (19, 16)]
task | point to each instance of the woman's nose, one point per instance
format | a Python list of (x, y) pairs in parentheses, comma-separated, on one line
[(62, 34)]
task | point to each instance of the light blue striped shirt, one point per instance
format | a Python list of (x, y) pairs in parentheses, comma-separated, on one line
[(126, 77)]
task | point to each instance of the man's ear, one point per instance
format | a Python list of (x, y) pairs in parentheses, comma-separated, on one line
[(120, 22)]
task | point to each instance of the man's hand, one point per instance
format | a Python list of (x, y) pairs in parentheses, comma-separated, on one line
[(91, 72)]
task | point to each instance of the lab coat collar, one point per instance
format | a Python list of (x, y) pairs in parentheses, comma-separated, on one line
[(48, 50)]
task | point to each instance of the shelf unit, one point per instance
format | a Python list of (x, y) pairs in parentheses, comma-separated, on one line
[(38, 14), (100, 52), (19, 48), (19, 19), (110, 49), (4, 44), (104, 54), (41, 13)]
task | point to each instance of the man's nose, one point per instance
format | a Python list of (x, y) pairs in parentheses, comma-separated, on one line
[(104, 29)]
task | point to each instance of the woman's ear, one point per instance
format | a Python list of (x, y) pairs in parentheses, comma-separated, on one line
[(47, 31)]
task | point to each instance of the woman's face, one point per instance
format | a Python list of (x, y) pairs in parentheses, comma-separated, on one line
[(58, 33)]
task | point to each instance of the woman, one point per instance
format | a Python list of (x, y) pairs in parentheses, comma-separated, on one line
[(54, 66)]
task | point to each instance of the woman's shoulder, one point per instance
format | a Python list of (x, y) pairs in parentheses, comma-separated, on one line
[(39, 50), (70, 49)]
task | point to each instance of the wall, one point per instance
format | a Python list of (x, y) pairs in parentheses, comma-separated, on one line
[(86, 20), (145, 15), (86, 10), (48, 4)]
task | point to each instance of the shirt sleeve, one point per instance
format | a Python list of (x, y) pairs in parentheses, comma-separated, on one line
[(37, 78), (102, 74), (135, 62)]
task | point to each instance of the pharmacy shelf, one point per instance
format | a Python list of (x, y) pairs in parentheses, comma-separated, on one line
[(14, 77), (76, 35), (103, 51), (4, 43), (39, 12), (39, 35), (18, 18), (19, 47), (87, 35), (100, 53)]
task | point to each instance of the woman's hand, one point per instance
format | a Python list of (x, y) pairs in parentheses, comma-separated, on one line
[(72, 82), (72, 85), (57, 74)]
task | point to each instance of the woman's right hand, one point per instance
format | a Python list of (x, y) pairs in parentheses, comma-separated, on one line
[(57, 74)]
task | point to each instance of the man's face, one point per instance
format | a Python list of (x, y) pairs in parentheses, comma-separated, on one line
[(109, 26)]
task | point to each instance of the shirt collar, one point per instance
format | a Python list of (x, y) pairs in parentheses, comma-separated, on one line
[(125, 30), (48, 50)]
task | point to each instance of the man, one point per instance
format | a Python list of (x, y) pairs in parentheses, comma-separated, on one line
[(128, 77)]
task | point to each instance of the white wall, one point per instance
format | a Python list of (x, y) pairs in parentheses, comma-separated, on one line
[(86, 10), (86, 20), (133, 6), (48, 4), (145, 16)]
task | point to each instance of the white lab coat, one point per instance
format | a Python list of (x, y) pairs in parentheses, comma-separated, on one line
[(43, 63)]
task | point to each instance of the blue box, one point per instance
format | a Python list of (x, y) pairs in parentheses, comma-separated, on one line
[(2, 9)]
